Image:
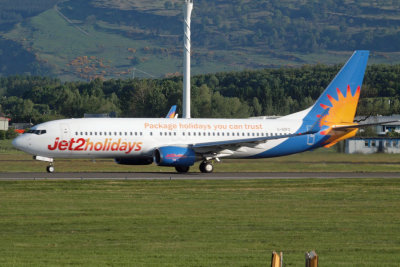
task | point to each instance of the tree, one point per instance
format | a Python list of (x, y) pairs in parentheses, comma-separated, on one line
[(257, 108)]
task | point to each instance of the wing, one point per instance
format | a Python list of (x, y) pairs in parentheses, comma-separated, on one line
[(218, 146)]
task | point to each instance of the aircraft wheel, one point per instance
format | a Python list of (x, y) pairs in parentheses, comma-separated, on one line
[(182, 169), (206, 167), (50, 169)]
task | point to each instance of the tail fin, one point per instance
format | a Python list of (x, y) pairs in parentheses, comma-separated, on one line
[(341, 95), (172, 112)]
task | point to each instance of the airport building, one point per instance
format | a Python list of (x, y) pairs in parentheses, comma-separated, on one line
[(4, 123), (372, 145), (379, 144)]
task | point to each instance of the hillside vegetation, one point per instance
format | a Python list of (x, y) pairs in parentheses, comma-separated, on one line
[(74, 39)]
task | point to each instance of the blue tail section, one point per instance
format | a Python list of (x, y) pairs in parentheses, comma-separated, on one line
[(347, 81), (337, 105)]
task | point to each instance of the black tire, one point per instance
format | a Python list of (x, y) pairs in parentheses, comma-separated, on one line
[(206, 167), (182, 169), (50, 169)]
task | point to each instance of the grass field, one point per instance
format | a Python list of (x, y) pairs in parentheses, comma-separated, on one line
[(349, 222)]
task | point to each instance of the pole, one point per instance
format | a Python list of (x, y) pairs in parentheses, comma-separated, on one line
[(187, 11)]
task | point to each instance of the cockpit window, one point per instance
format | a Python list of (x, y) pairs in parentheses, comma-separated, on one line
[(38, 132)]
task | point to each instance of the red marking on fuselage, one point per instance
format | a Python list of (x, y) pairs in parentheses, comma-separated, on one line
[(87, 145)]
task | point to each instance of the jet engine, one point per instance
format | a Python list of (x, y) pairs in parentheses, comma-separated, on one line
[(174, 156)]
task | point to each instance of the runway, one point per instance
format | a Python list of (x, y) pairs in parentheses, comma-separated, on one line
[(193, 176)]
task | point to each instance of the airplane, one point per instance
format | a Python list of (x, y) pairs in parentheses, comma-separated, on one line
[(172, 112), (181, 142)]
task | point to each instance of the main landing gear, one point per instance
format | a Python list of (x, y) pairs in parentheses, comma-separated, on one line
[(182, 169), (206, 167)]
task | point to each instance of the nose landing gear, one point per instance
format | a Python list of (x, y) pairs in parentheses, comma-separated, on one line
[(50, 168)]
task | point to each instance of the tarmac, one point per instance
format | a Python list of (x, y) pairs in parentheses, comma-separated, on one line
[(192, 176)]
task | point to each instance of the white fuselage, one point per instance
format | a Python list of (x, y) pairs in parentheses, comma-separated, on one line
[(119, 137)]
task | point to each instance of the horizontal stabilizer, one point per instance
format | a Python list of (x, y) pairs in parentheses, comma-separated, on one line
[(356, 126)]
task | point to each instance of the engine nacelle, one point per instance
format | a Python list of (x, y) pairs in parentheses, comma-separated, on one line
[(174, 156), (134, 161)]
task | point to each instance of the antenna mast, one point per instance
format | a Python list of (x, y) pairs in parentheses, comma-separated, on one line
[(187, 11)]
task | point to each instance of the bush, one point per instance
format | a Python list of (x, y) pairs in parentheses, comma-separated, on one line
[(2, 135), (11, 134)]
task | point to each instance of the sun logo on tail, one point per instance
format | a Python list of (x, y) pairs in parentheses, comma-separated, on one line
[(341, 110)]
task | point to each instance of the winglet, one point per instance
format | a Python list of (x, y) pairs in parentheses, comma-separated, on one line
[(171, 113)]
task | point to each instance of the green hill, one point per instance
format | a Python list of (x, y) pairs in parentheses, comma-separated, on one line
[(75, 39)]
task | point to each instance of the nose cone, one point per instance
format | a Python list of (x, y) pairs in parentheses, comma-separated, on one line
[(19, 143)]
